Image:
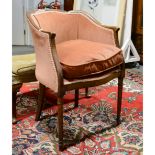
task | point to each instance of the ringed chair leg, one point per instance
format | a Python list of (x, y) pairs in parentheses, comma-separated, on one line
[(15, 89), (119, 98), (40, 101), (14, 93), (76, 97), (60, 123)]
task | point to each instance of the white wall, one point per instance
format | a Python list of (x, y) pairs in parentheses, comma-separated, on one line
[(18, 37), (104, 12), (19, 23), (29, 6)]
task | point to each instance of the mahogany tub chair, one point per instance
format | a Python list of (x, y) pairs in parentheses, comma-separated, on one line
[(74, 51)]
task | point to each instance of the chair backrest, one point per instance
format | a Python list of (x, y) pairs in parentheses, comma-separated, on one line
[(70, 26), (90, 29), (64, 25)]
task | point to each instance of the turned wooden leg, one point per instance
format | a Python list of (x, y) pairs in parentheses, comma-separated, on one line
[(76, 97), (60, 123), (40, 101), (15, 89), (87, 93), (119, 98), (14, 97)]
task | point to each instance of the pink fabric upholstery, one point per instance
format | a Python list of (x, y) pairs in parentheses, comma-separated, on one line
[(63, 25), (45, 67), (83, 46), (89, 30), (70, 26), (81, 58)]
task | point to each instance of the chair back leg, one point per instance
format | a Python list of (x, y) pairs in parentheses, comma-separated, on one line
[(40, 101), (87, 95), (119, 98), (60, 123), (76, 97)]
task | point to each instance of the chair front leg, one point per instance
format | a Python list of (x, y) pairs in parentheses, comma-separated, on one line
[(60, 123), (119, 98), (40, 101)]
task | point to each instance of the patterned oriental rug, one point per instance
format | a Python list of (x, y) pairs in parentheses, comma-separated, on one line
[(88, 129)]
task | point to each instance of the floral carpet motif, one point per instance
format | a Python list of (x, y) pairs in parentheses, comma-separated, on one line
[(89, 129)]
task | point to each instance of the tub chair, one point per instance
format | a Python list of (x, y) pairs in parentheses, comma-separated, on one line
[(74, 51)]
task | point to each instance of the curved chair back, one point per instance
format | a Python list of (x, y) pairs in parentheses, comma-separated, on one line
[(71, 25)]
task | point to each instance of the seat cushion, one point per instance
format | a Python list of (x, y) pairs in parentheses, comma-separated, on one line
[(23, 64), (80, 58), (23, 68)]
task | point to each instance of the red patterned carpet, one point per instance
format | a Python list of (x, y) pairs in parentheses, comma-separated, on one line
[(88, 129)]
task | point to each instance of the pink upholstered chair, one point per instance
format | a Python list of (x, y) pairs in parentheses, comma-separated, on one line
[(74, 51)]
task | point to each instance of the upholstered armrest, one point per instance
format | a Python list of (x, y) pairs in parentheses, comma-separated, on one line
[(48, 67), (114, 28), (115, 31)]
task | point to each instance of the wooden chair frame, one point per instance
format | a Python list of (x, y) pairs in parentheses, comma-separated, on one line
[(63, 86), (81, 83)]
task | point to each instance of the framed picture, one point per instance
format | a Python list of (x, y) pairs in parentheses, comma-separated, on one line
[(51, 4), (107, 12)]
